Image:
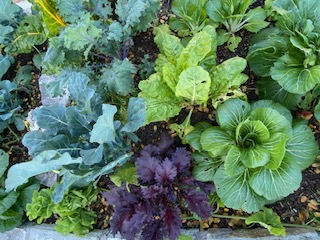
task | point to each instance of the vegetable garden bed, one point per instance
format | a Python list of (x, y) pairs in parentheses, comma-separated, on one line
[(184, 114)]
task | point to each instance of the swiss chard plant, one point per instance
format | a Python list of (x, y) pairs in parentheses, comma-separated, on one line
[(287, 55), (13, 203), (73, 212), (82, 140), (166, 185), (188, 76), (256, 154), (235, 15)]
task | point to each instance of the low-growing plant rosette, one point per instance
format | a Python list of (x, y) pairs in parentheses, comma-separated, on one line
[(256, 154)]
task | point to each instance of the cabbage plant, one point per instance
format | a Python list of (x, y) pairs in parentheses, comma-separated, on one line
[(256, 154)]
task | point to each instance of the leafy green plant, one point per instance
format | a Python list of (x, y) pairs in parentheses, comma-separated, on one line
[(190, 17), (286, 56), (19, 33), (234, 16), (188, 76), (255, 155), (82, 141), (13, 203), (74, 214)]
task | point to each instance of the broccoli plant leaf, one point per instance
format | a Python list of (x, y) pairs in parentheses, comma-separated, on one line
[(5, 63), (118, 77), (9, 12), (4, 160), (136, 115), (269, 220)]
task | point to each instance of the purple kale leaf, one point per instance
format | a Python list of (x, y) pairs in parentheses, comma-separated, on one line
[(153, 209)]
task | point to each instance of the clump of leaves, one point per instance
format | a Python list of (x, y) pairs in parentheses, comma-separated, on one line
[(287, 55), (234, 16), (256, 154), (82, 141), (10, 106), (13, 203), (190, 17), (153, 208), (74, 214), (188, 76)]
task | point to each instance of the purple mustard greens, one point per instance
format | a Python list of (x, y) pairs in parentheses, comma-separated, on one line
[(153, 209)]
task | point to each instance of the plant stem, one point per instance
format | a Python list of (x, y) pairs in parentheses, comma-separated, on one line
[(13, 133)]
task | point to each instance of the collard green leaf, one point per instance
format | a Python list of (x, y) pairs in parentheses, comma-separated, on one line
[(317, 111), (231, 113), (118, 77), (270, 89), (216, 141), (276, 184), (302, 147), (44, 162), (235, 191), (255, 18), (77, 122), (269, 220), (103, 130), (194, 85), (289, 72)]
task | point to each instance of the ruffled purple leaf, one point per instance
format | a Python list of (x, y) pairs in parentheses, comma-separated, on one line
[(166, 172), (172, 221), (198, 202), (146, 168), (181, 159)]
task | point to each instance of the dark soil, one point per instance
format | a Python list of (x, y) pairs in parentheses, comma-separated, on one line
[(298, 207)]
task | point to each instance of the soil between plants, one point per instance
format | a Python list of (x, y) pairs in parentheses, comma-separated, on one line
[(296, 208)]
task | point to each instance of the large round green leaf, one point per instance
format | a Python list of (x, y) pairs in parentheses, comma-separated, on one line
[(193, 138), (249, 133), (216, 141), (302, 148), (279, 183), (231, 113), (232, 164), (235, 191), (255, 156), (205, 166), (194, 85)]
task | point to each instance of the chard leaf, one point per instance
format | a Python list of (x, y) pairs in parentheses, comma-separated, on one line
[(269, 220), (232, 164), (276, 184), (161, 101), (231, 113), (289, 72), (196, 50), (235, 191), (205, 166), (51, 118), (270, 89), (44, 162), (103, 130), (4, 160), (194, 85), (160, 33), (302, 147), (216, 141), (169, 75), (136, 115), (118, 77), (171, 47), (29, 33), (5, 63)]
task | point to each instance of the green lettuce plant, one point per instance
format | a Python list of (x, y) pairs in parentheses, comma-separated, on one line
[(234, 16), (74, 214), (256, 154), (188, 76), (287, 55)]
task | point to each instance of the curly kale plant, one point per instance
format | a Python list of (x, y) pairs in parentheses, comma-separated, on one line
[(255, 155), (153, 209), (82, 140), (234, 16), (188, 76), (74, 214), (287, 55)]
